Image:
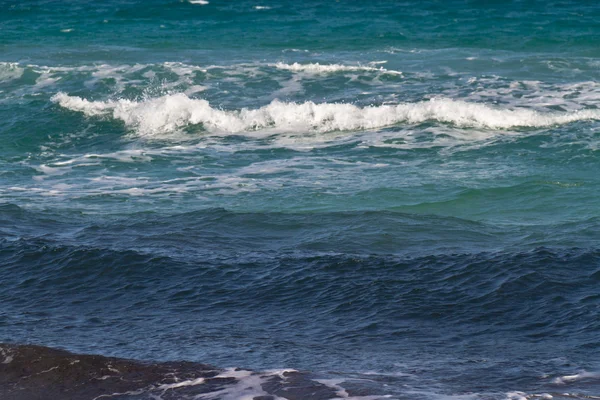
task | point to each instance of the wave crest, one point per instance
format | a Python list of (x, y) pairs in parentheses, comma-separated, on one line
[(316, 68), (172, 112), (10, 71)]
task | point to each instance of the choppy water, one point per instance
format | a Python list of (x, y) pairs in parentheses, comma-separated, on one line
[(396, 198)]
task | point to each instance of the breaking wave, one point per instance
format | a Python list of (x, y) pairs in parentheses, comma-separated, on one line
[(316, 68), (10, 71), (172, 112)]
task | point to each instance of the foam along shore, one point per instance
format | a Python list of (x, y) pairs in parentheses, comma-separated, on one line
[(35, 372)]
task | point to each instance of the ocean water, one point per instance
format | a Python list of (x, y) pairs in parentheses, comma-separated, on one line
[(395, 199)]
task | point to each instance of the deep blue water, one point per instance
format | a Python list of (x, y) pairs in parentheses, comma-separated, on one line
[(398, 196)]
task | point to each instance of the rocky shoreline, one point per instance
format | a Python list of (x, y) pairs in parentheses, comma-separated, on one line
[(30, 372)]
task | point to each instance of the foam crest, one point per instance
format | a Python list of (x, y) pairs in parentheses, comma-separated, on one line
[(316, 68), (517, 395), (172, 112), (10, 71), (561, 380)]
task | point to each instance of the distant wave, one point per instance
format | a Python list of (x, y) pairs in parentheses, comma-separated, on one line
[(171, 112), (317, 68)]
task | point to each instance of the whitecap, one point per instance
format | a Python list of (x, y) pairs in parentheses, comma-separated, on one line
[(171, 113), (10, 71), (561, 380), (316, 68)]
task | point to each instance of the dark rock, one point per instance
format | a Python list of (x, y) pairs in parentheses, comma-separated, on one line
[(34, 372)]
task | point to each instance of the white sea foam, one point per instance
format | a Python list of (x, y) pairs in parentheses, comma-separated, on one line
[(526, 396), (247, 386), (516, 396), (192, 382), (7, 354), (569, 96), (10, 71), (192, 79), (342, 393), (561, 380), (316, 68), (200, 2), (182, 69), (170, 113)]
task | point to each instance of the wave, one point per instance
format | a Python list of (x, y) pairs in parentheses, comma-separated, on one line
[(172, 112), (214, 232), (395, 301), (10, 71), (561, 380), (316, 68)]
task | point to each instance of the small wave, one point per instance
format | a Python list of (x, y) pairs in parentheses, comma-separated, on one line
[(524, 396), (172, 112), (10, 71), (561, 380), (316, 68)]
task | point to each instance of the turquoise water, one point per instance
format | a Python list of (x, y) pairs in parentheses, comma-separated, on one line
[(400, 192)]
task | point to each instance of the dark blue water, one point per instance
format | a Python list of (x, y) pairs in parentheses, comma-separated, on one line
[(400, 198)]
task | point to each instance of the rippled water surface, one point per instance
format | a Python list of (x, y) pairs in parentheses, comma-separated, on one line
[(397, 199)]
